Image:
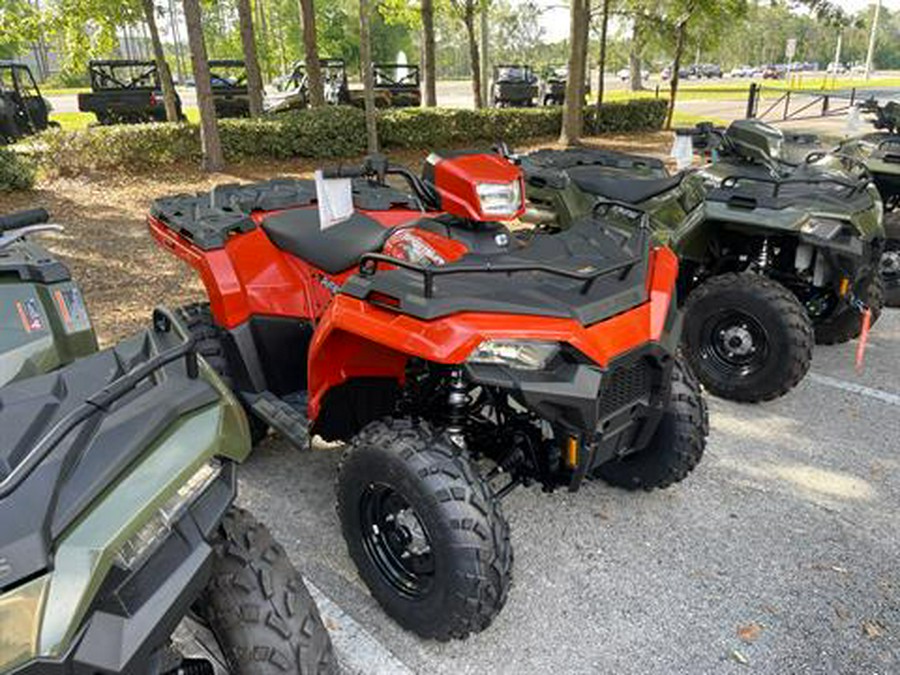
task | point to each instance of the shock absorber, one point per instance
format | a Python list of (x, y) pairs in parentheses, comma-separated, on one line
[(762, 262), (458, 402)]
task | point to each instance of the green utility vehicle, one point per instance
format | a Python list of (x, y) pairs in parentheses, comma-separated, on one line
[(231, 97), (23, 111), (514, 86), (121, 550), (125, 91), (771, 258)]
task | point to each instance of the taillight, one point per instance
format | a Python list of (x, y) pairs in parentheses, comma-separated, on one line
[(154, 101)]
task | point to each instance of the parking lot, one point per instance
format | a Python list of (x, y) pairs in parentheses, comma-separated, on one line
[(778, 555)]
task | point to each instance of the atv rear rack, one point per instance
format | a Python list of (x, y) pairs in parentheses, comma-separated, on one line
[(368, 266), (163, 321)]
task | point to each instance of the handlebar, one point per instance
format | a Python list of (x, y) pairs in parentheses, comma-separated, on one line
[(19, 219), (378, 168)]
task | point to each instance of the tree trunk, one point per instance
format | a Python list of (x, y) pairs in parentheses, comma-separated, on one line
[(365, 64), (485, 55), (213, 160), (313, 67), (604, 31), (165, 75), (676, 66), (573, 110), (634, 57), (428, 52), (474, 60), (251, 60), (176, 38)]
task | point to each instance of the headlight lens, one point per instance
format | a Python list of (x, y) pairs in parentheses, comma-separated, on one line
[(518, 354), (138, 547), (499, 199), (823, 228), (20, 620)]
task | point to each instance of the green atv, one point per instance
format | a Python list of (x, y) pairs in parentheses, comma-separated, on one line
[(880, 153), (45, 321), (121, 550), (769, 262)]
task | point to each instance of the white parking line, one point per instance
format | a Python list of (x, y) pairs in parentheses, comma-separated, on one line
[(854, 388), (358, 651)]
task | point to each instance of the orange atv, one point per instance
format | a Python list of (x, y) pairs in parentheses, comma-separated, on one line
[(454, 359)]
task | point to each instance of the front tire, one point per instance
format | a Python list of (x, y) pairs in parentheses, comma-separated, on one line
[(677, 445), (424, 529), (746, 337), (258, 607)]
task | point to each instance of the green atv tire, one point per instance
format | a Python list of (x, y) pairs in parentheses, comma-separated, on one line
[(746, 337), (847, 324), (677, 445), (424, 528), (890, 273), (258, 607), (198, 319)]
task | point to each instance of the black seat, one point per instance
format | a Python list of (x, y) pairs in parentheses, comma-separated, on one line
[(630, 190), (334, 250)]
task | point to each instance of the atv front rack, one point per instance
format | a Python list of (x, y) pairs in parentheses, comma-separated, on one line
[(776, 200), (163, 321)]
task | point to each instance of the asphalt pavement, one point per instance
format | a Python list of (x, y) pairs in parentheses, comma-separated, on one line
[(779, 554)]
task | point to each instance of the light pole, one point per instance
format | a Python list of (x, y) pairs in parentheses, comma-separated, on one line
[(871, 53)]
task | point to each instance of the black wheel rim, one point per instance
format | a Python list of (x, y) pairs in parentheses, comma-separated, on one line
[(396, 540), (733, 344)]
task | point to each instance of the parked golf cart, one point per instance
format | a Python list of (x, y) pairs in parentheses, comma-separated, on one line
[(768, 262), (23, 111), (514, 86), (400, 82), (125, 91), (454, 360), (229, 87), (553, 85), (291, 91), (121, 550)]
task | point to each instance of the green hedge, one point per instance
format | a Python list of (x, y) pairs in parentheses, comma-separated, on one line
[(16, 172), (327, 133)]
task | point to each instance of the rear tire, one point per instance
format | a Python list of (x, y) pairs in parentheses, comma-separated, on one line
[(198, 319), (890, 272), (847, 324), (677, 446), (258, 607), (746, 337), (424, 529)]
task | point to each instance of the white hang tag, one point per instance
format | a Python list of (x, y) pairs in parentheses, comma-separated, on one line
[(854, 122), (683, 151), (335, 200)]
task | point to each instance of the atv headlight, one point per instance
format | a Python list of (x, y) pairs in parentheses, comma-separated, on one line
[(20, 620), (518, 354), (499, 199), (139, 546), (822, 228)]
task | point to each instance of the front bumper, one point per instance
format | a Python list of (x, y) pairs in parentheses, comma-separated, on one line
[(610, 412), (135, 613)]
